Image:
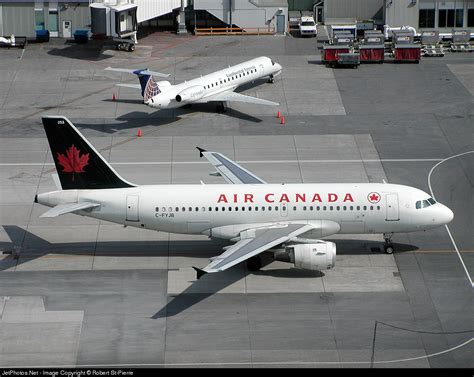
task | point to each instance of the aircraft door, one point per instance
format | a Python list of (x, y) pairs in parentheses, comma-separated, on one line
[(283, 209), (262, 70), (392, 207), (132, 208)]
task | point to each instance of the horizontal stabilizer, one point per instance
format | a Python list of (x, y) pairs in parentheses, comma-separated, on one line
[(200, 273), (133, 86), (62, 209), (135, 71)]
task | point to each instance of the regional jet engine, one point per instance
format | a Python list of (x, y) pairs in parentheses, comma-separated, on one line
[(190, 94)]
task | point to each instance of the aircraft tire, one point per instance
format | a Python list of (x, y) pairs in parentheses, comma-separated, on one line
[(389, 249)]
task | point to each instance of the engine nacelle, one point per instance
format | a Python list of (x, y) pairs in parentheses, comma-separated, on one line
[(311, 256), (190, 94)]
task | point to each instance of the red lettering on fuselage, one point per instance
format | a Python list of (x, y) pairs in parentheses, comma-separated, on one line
[(332, 198), (348, 198), (286, 198), (267, 198), (248, 198), (222, 198)]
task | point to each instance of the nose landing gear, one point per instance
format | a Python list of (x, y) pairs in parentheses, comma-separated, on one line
[(271, 80), (388, 247)]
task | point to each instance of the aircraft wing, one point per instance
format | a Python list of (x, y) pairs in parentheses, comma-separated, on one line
[(237, 97), (256, 242), (62, 209), (230, 170)]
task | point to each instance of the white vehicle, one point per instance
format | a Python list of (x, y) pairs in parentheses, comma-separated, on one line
[(286, 219), (307, 27), (218, 86)]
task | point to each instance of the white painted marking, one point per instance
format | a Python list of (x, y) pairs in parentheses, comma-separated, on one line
[(447, 228), (242, 162), (252, 363)]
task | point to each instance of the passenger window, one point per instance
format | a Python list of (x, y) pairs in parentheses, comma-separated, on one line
[(294, 208), (351, 208), (276, 208), (230, 208), (223, 208), (324, 208), (344, 208), (256, 208), (236, 208), (317, 208), (157, 209), (217, 208), (269, 208), (163, 209), (371, 208), (338, 208), (197, 209), (330, 208), (365, 208), (210, 209), (177, 209), (170, 209), (304, 208), (190, 209), (203, 209), (250, 208), (310, 208), (263, 208), (378, 208), (358, 208), (243, 208)]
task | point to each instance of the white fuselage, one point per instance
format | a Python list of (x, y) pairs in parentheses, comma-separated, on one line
[(223, 211), (200, 90)]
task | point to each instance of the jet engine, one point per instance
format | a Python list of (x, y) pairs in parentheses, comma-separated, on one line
[(310, 256), (190, 94)]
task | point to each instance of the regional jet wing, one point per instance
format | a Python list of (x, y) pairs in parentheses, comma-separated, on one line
[(230, 170), (62, 209), (237, 97), (256, 242)]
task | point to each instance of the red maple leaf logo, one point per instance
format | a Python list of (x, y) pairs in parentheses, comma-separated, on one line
[(374, 197), (72, 162)]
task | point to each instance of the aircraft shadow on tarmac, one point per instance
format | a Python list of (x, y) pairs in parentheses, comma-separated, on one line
[(206, 249), (176, 114)]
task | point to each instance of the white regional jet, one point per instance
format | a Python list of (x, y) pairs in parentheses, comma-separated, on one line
[(217, 86), (286, 219)]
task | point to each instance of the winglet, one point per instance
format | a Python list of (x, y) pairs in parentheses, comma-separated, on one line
[(200, 151), (199, 272)]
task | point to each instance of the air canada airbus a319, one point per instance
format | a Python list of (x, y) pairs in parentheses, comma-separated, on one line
[(215, 87), (288, 220)]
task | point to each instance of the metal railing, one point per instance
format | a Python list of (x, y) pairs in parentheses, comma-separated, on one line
[(235, 31)]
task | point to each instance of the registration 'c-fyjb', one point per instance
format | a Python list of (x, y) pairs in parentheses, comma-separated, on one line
[(287, 220)]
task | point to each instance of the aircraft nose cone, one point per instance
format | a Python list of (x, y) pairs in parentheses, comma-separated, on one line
[(447, 215)]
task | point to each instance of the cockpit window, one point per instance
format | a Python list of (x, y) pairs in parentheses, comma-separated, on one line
[(425, 203)]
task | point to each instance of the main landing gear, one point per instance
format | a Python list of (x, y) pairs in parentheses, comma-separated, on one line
[(271, 80), (388, 247), (254, 263)]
